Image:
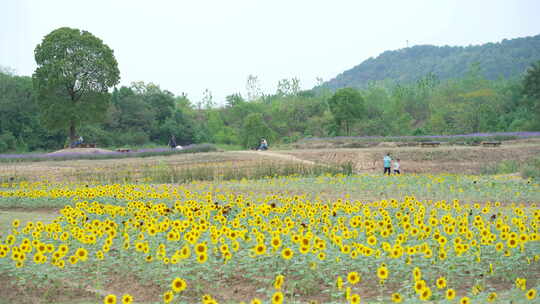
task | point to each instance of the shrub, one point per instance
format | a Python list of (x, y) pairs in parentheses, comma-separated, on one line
[(8, 142)]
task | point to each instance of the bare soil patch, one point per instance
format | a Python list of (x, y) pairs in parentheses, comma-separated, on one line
[(36, 293), (444, 159)]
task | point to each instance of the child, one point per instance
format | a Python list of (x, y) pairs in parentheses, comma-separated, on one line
[(396, 167)]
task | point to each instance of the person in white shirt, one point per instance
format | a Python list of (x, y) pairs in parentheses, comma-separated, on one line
[(396, 167)]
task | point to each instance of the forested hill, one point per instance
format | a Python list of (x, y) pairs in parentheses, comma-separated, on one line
[(507, 59)]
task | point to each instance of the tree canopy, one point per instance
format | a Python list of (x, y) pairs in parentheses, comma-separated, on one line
[(347, 106), (74, 71), (531, 88), (531, 83)]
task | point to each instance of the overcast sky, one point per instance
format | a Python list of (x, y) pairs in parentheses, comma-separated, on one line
[(188, 46)]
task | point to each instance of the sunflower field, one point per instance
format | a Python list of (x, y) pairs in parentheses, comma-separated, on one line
[(209, 242)]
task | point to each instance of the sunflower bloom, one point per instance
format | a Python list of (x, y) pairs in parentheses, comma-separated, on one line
[(441, 282), (492, 297), (425, 294), (168, 296), (450, 294), (465, 300), (354, 299), (127, 299), (110, 299), (255, 301), (382, 272), (287, 253), (531, 294), (353, 277), (178, 285), (277, 297), (339, 283)]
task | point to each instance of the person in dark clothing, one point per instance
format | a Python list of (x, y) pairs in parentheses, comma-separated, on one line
[(172, 142), (77, 142)]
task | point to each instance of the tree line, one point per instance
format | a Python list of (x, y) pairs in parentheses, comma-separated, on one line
[(63, 100), (143, 113)]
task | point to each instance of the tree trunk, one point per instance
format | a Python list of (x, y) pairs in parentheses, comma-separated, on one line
[(72, 134)]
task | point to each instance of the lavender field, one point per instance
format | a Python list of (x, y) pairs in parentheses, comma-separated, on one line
[(104, 155)]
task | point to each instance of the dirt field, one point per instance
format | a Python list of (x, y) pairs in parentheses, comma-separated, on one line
[(443, 159)]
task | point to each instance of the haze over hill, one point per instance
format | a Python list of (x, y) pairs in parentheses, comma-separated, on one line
[(508, 59)]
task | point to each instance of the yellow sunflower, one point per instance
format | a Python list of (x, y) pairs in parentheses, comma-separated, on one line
[(168, 296), (450, 294), (110, 299), (277, 297), (382, 272), (531, 294), (287, 253), (127, 299), (178, 285)]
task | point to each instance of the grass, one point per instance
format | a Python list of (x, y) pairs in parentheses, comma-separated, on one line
[(529, 168), (229, 147), (166, 173)]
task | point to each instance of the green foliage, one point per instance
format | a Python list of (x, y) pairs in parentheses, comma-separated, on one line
[(531, 82), (531, 169), (143, 113), (531, 88), (75, 70), (347, 106), (254, 129), (8, 142), (20, 125)]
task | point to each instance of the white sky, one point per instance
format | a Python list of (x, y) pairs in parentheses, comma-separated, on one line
[(188, 46)]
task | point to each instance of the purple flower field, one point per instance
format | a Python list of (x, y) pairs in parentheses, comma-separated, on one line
[(411, 137), (112, 154)]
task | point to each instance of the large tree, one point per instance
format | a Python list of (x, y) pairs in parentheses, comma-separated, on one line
[(75, 70), (347, 106)]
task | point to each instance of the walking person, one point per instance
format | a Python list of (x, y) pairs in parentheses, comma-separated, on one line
[(387, 161), (396, 167)]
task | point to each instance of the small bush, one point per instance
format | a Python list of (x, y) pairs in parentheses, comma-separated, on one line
[(8, 142)]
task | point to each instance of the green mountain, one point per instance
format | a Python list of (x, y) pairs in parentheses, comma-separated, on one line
[(507, 59)]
